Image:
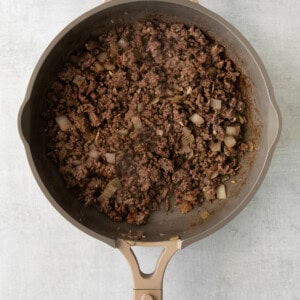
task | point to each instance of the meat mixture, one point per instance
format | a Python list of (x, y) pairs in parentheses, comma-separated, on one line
[(147, 117)]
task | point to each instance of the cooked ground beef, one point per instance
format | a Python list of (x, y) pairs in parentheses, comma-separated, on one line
[(145, 114)]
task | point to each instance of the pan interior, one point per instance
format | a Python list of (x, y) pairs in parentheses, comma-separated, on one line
[(161, 226)]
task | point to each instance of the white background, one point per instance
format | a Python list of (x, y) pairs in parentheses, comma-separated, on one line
[(256, 256)]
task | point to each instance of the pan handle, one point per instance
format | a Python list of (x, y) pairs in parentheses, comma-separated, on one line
[(148, 286), (195, 1)]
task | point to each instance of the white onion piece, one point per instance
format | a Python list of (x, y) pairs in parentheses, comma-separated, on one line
[(221, 192), (116, 182), (189, 90), (108, 192), (197, 119), (190, 155), (114, 48), (187, 140), (187, 135), (154, 101), (214, 175), (109, 67), (177, 87), (140, 107), (137, 123), (110, 158), (215, 146), (175, 99), (63, 123), (76, 162), (242, 119), (122, 43), (94, 154), (229, 141), (169, 92), (215, 103), (159, 132), (251, 146), (98, 67), (110, 189), (102, 57), (123, 131), (78, 80), (233, 130)]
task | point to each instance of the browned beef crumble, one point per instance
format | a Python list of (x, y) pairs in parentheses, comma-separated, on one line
[(146, 113)]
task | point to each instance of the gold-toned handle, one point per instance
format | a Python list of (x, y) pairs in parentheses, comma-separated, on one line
[(148, 286)]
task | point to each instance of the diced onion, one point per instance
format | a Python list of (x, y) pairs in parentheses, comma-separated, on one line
[(233, 130), (102, 57), (177, 87), (190, 155), (154, 101), (98, 67), (62, 153), (140, 107), (229, 141), (122, 43), (94, 154), (110, 189), (116, 182), (114, 47), (123, 131), (187, 140), (189, 90), (242, 119), (76, 162), (78, 80), (109, 67), (206, 181), (63, 123), (169, 92), (108, 192), (91, 45), (175, 99), (197, 119), (137, 123), (221, 192), (215, 147), (215, 103), (159, 132), (110, 158), (214, 175), (187, 135), (251, 146)]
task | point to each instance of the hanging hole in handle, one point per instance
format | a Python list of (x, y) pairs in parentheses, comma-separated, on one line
[(147, 257)]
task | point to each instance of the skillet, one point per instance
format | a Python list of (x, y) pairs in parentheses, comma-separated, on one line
[(174, 231)]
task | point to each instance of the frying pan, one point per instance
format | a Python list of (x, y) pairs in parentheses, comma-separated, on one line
[(172, 231)]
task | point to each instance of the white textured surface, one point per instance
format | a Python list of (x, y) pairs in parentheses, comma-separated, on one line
[(256, 256)]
